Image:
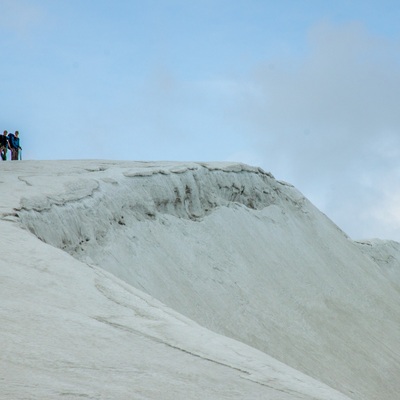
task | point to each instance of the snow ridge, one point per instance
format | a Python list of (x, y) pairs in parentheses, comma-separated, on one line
[(183, 191), (231, 248)]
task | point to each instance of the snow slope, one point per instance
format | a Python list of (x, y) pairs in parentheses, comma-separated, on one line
[(386, 253), (186, 280)]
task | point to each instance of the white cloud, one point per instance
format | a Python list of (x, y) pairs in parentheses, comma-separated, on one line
[(329, 123)]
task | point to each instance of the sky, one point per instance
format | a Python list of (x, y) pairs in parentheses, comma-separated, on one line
[(308, 90)]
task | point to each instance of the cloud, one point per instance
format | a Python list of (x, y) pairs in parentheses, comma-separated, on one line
[(329, 123), (19, 17)]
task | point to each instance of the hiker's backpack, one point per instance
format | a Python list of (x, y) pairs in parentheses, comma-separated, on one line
[(11, 139)]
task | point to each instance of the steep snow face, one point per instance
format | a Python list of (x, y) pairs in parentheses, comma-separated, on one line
[(237, 251), (72, 331), (386, 253)]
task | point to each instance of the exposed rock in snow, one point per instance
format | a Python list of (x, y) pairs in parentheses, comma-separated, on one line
[(164, 255)]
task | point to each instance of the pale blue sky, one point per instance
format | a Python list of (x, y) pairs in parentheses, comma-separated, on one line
[(308, 90)]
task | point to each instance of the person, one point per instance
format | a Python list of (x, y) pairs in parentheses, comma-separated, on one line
[(13, 142), (4, 145)]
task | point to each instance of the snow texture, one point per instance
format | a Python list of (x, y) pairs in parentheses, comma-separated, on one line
[(165, 280)]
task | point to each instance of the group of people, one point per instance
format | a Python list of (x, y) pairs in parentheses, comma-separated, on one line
[(10, 141)]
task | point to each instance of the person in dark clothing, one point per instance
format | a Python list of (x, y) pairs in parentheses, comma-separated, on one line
[(13, 141), (4, 145)]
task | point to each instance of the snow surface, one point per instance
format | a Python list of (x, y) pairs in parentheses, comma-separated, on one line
[(135, 280)]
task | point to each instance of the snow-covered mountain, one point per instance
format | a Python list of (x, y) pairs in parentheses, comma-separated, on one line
[(134, 280)]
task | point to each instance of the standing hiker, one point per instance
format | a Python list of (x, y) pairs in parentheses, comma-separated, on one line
[(13, 140), (4, 145)]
